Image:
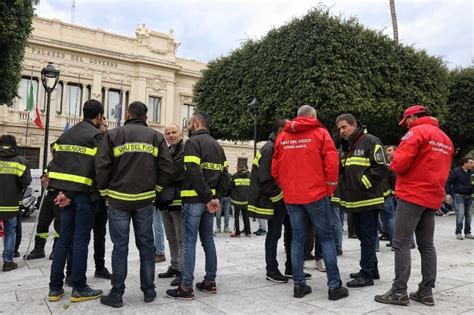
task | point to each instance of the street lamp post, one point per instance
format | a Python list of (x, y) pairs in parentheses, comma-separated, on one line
[(49, 78), (254, 106)]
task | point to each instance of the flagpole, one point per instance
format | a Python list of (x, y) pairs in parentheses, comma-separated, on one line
[(28, 115)]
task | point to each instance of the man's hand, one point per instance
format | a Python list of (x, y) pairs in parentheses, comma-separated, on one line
[(213, 205), (61, 200)]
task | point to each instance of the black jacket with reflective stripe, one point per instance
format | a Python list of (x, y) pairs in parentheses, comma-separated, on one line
[(72, 168), (173, 201), (132, 163), (204, 167), (239, 188), (15, 176), (364, 175), (264, 191)]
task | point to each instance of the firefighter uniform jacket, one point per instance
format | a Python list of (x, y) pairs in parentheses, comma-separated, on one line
[(15, 176), (239, 188), (170, 198), (204, 167), (364, 175), (264, 191), (72, 167), (132, 164)]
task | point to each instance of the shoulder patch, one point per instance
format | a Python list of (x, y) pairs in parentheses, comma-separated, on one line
[(407, 136), (379, 156)]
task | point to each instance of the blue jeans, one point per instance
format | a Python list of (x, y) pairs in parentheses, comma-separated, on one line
[(196, 218), (336, 225), (159, 231), (119, 226), (9, 238), (462, 204), (319, 212), (77, 220), (225, 207), (387, 217), (366, 228)]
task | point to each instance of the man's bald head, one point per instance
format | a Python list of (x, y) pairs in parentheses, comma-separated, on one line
[(173, 134)]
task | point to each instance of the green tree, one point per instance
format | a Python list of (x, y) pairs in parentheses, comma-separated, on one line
[(334, 64), (15, 27)]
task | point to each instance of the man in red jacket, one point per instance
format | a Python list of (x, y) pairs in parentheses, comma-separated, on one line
[(421, 163), (305, 165)]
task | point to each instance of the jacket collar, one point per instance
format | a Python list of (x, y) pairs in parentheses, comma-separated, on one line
[(200, 131), (272, 137), (427, 120), (176, 147), (135, 121)]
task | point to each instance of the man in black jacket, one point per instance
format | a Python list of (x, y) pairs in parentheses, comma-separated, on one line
[(15, 176), (203, 185), (132, 163), (239, 191)]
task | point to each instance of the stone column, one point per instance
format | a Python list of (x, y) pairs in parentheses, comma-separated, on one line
[(169, 105)]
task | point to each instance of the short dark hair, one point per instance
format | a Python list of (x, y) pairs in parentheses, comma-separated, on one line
[(8, 141), (422, 114), (465, 160), (92, 109), (203, 118), (137, 110), (277, 124), (347, 117)]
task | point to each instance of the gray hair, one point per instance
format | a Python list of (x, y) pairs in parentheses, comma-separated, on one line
[(306, 110)]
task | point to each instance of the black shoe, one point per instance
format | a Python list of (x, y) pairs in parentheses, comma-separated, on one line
[(422, 298), (389, 244), (352, 236), (180, 294), (337, 294), (176, 281), (383, 237), (16, 254), (393, 298), (339, 252), (103, 274), (36, 253), (300, 291), (289, 274), (9, 265), (85, 295), (113, 300), (261, 232), (357, 275), (277, 277), (170, 273), (149, 296), (309, 257), (207, 286), (360, 282), (255, 231), (68, 281)]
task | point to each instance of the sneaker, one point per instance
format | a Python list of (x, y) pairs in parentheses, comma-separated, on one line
[(180, 293), (425, 299), (389, 244), (35, 254), (149, 296), (357, 275), (392, 298), (55, 295), (113, 300), (16, 254), (309, 257), (85, 295), (170, 273), (300, 291), (235, 235), (9, 265), (207, 286), (337, 294), (261, 232), (249, 234), (469, 236), (176, 281), (226, 230), (160, 258), (257, 231), (289, 274), (459, 236), (277, 277), (360, 282), (218, 230), (320, 265), (103, 273)]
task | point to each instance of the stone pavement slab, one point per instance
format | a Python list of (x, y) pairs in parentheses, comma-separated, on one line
[(242, 287)]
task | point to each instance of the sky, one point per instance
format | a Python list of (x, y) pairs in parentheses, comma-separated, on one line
[(210, 29)]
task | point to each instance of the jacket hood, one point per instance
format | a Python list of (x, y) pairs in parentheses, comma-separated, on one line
[(302, 124), (272, 137), (428, 120), (7, 151)]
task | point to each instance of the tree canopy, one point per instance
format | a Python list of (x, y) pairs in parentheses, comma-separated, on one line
[(337, 65), (15, 27)]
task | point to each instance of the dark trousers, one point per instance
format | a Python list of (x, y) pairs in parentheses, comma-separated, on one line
[(100, 230), (245, 218), (18, 232), (414, 218), (48, 213), (273, 235), (366, 229), (287, 238), (350, 224)]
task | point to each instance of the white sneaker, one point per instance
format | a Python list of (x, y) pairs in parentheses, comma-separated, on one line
[(459, 236), (320, 265), (469, 236)]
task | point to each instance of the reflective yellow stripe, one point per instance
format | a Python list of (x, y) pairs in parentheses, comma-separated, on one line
[(358, 204), (9, 209), (354, 160), (71, 178), (335, 199), (103, 192), (43, 235), (242, 203), (277, 197), (132, 197), (75, 149), (242, 181), (388, 192), (135, 147), (176, 203), (20, 203), (366, 182), (55, 234), (12, 168), (226, 164), (192, 159), (256, 160), (158, 188), (212, 166), (193, 193), (257, 210)]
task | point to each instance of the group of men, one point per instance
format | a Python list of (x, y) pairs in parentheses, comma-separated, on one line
[(295, 178)]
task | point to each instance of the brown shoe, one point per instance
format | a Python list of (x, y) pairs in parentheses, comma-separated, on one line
[(160, 258)]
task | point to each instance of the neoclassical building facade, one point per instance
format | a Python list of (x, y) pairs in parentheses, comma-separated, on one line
[(111, 68)]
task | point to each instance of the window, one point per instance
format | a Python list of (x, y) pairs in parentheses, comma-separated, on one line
[(154, 109), (32, 156), (73, 100), (59, 98), (23, 92), (187, 111), (113, 100), (88, 92)]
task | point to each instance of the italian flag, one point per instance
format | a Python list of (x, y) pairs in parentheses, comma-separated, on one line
[(30, 104)]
